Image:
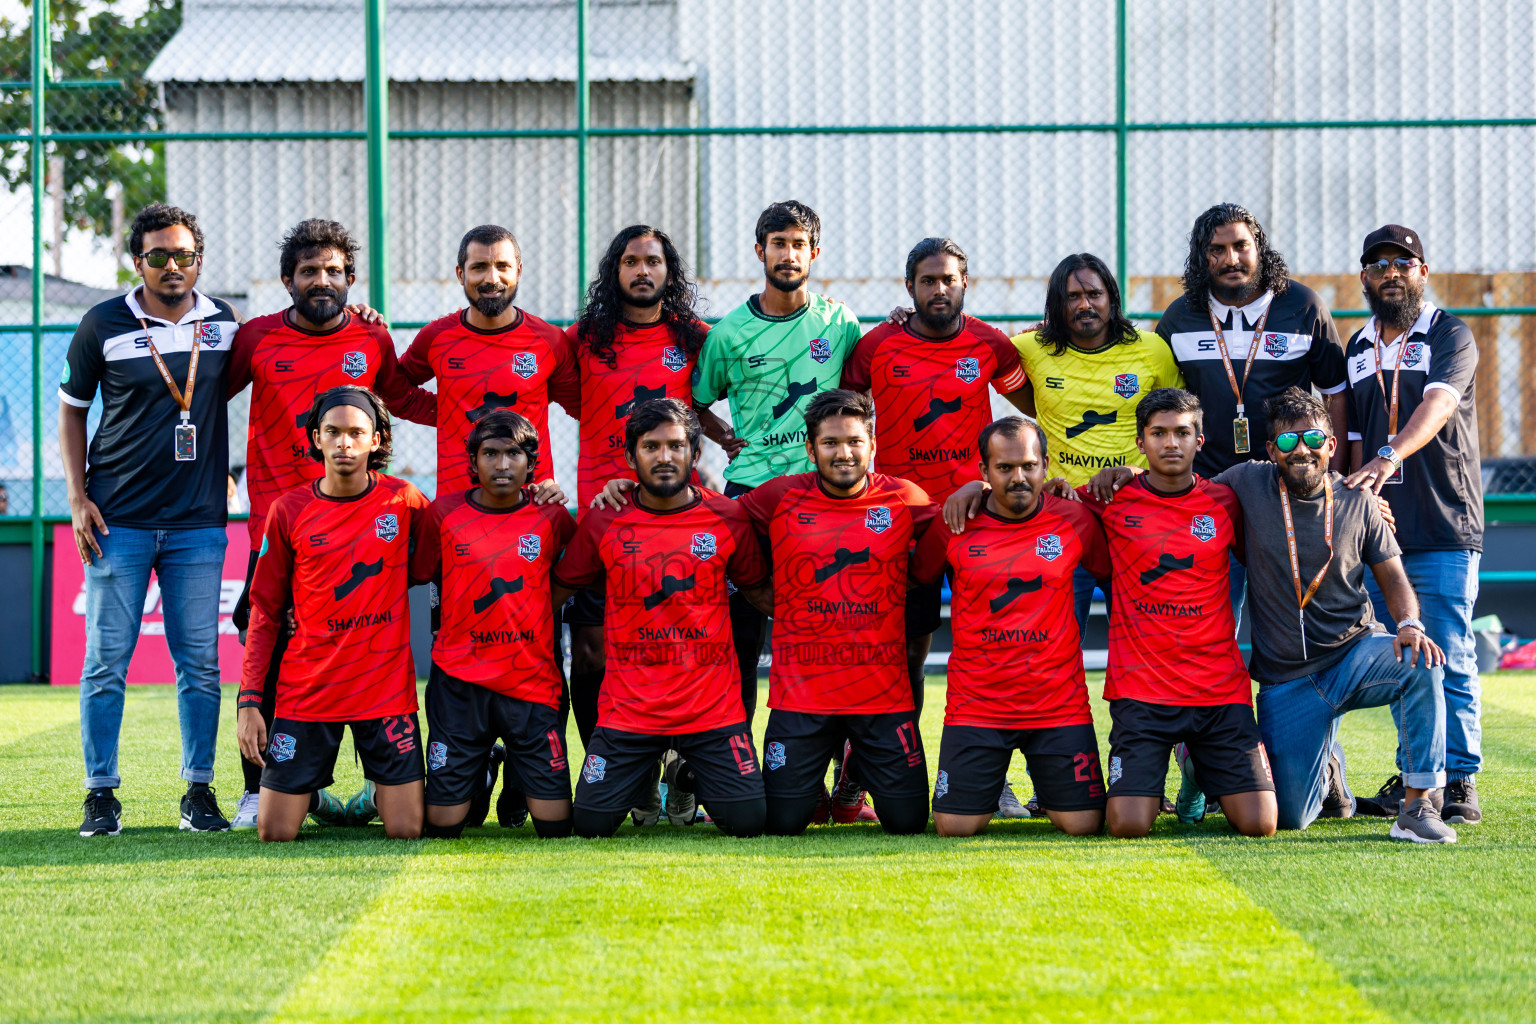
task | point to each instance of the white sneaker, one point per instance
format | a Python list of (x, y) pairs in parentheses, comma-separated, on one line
[(1008, 805), (245, 814)]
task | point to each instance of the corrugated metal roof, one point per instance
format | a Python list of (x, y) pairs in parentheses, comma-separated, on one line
[(428, 41)]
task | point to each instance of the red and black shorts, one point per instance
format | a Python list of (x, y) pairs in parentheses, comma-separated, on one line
[(620, 766), (1063, 763), (888, 747), (301, 756), (465, 720), (1223, 741)]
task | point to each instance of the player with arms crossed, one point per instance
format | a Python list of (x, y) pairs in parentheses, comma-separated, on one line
[(490, 550), (840, 538), (337, 551), (672, 683), (1016, 671)]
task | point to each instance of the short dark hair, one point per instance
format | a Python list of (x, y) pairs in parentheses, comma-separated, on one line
[(503, 424), (934, 246), (1168, 400), (838, 402), (650, 414), (1293, 405), (158, 217), (1056, 330), (376, 460), (311, 237), (1008, 426), (487, 234), (791, 213)]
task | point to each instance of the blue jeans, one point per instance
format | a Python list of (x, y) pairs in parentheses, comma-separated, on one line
[(190, 567), (1446, 582), (1083, 583), (1299, 720)]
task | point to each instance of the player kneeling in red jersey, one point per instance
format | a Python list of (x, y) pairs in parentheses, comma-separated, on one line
[(1175, 674), (672, 681), (1016, 667), (336, 552), (494, 676)]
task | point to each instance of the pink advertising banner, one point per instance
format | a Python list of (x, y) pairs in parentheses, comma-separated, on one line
[(151, 658)]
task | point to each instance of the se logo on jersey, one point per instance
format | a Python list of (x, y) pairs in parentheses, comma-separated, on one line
[(387, 528), (967, 369), (878, 519), (1276, 344), (528, 546), (821, 349), (1203, 528), (703, 546), (354, 364), (282, 747), (525, 364), (1126, 384), (672, 358), (1048, 547)]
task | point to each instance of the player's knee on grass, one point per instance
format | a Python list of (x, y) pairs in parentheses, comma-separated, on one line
[(546, 828), (431, 831), (1131, 817), (903, 816), (958, 826), (1078, 823), (281, 815), (1252, 814), (740, 818), (790, 816), (590, 824)]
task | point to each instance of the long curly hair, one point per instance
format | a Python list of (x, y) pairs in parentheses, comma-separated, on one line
[(1274, 275), (1055, 330), (598, 322)]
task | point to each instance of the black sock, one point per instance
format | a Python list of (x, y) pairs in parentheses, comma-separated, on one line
[(314, 801)]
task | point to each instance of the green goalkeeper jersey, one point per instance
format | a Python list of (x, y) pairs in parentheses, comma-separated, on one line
[(770, 368)]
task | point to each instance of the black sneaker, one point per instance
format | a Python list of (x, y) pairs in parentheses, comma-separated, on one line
[(512, 804), (1338, 801), (480, 803), (103, 814), (1388, 802), (1460, 803), (200, 811)]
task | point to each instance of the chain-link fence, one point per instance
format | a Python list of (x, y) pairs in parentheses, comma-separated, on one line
[(1023, 130)]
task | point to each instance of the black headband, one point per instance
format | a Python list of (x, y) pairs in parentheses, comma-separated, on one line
[(356, 399)]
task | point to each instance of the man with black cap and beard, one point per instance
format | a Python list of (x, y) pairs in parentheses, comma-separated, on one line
[(1413, 440)]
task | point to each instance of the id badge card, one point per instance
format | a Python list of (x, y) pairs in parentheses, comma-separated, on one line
[(186, 442), (1240, 442), (1396, 477)]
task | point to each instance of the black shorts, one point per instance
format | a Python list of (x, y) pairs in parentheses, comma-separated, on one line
[(1063, 765), (301, 756), (797, 746), (465, 720), (924, 603), (585, 608), (620, 766), (1223, 741)]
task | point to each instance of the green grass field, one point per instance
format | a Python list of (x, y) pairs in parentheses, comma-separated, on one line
[(1020, 924)]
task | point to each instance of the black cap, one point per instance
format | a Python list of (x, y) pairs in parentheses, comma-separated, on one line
[(1393, 234)]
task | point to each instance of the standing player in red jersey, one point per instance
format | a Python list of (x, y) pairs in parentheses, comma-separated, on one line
[(1016, 670), (494, 675), (672, 681), (336, 552), (1175, 676), (288, 358), (840, 538), (491, 355)]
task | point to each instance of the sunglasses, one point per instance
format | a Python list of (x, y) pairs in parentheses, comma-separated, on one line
[(1379, 268), (159, 258), (1314, 438)]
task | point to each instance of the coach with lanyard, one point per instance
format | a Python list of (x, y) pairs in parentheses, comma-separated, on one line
[(1413, 434), (152, 499)]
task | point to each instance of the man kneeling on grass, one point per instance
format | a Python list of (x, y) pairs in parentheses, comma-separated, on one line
[(335, 556)]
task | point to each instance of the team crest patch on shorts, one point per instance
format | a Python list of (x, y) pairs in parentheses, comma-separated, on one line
[(354, 364), (941, 785), (878, 519), (528, 545), (595, 770), (672, 358), (1276, 344), (821, 349), (1413, 352), (525, 364), (703, 546), (282, 746), (387, 527), (775, 755), (968, 369), (437, 755), (1048, 547), (1126, 384), (1115, 771), (1202, 528)]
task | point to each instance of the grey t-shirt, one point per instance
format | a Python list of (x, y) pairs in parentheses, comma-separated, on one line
[(1340, 612)]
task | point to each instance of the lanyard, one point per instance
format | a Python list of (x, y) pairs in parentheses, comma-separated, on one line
[(1402, 346), (184, 401), (1290, 544), (1253, 350)]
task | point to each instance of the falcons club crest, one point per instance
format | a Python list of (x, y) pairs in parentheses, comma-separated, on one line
[(967, 369), (1048, 547), (821, 349), (703, 546), (354, 364), (528, 546), (1276, 344), (387, 528), (878, 519), (1202, 528), (525, 364), (1413, 353), (1126, 384), (672, 358)]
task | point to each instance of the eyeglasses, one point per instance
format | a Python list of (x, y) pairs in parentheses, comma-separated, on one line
[(159, 258), (1379, 268), (1314, 438)]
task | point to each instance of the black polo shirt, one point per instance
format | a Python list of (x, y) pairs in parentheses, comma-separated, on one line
[(1299, 347), (1439, 504), (131, 471)]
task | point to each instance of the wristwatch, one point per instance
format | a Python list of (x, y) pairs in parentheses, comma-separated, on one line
[(1389, 453), (1403, 624)]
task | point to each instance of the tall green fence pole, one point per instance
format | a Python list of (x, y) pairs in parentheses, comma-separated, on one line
[(583, 126), (40, 59), (1122, 138), (376, 98)]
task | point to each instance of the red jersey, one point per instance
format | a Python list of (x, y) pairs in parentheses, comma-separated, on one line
[(523, 367), (287, 367), (932, 398), (839, 591), (341, 563), (650, 362), (1172, 638), (492, 568), (667, 627), (1017, 659)]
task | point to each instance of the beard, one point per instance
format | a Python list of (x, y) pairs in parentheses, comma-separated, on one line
[(319, 305), (491, 306), (1398, 314), (1303, 481), (669, 486), (1085, 326), (843, 475), (943, 323), (645, 300), (787, 284), (1016, 498), (1234, 295)]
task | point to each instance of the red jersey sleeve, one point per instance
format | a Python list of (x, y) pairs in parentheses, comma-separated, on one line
[(932, 555), (1090, 501), (919, 504), (427, 552), (271, 590), (565, 381), (1009, 375), (760, 503), (563, 522), (1227, 497), (403, 399), (582, 564), (1091, 532), (747, 568), (240, 353), (857, 375), (416, 364)]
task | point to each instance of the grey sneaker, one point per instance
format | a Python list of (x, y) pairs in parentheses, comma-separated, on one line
[(1420, 823), (1338, 801), (1008, 805), (1461, 807), (245, 813), (682, 805), (645, 817)]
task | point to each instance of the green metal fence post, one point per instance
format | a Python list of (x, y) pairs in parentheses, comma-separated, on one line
[(1122, 137), (40, 60), (583, 126), (376, 99)]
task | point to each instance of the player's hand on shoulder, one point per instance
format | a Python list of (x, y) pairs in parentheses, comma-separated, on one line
[(1386, 512), (547, 492), (251, 733), (964, 504), (1108, 480), (291, 623), (612, 494), (898, 316), (1058, 486), (367, 314)]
